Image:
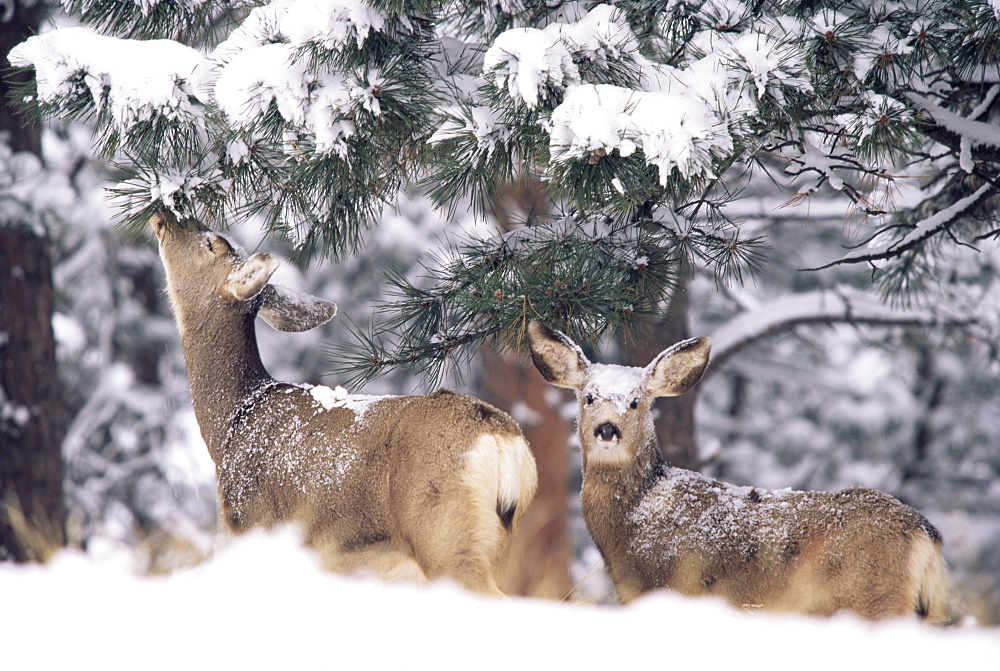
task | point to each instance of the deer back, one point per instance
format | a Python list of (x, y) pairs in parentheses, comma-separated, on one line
[(319, 455), (814, 552)]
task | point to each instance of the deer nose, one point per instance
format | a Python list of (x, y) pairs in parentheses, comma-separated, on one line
[(607, 431)]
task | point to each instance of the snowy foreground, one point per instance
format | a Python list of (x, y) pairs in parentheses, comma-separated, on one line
[(263, 603)]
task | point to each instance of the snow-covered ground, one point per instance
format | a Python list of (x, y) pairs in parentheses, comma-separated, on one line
[(262, 602)]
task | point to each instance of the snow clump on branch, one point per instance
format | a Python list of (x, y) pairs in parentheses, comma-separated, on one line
[(132, 80), (527, 62), (679, 117), (264, 61), (331, 24), (672, 130)]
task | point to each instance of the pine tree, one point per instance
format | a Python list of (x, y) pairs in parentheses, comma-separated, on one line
[(645, 121)]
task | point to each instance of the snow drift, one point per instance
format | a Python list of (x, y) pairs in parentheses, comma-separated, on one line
[(263, 602)]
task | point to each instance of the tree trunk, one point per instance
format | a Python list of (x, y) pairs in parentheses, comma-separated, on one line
[(32, 413), (930, 391), (675, 428), (543, 547)]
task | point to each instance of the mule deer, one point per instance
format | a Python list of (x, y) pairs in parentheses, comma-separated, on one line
[(663, 527), (416, 487)]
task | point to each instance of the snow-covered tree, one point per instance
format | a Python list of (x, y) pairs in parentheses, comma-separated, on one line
[(644, 121)]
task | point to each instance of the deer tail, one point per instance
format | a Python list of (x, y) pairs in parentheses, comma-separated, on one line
[(930, 581), (517, 478)]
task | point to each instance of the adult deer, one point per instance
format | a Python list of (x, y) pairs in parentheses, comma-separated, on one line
[(416, 487), (663, 527)]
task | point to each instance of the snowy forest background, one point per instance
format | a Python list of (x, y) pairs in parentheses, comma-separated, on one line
[(818, 383)]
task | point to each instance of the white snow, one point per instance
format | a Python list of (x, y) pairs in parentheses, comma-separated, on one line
[(617, 384), (527, 60), (679, 117), (330, 23), (972, 133), (821, 160), (671, 129), (261, 63), (138, 79), (273, 73), (480, 122), (840, 303), (341, 398), (921, 231), (265, 61), (69, 334), (599, 36), (263, 602)]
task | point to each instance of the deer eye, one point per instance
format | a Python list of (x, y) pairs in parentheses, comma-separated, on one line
[(216, 245), (590, 398), (634, 404)]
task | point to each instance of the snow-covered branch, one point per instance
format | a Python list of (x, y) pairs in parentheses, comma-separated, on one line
[(922, 231), (970, 133), (840, 305)]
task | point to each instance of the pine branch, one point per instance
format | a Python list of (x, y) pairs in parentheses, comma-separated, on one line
[(586, 278), (196, 23)]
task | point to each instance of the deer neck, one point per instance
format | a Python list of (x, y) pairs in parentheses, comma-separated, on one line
[(224, 371), (611, 492)]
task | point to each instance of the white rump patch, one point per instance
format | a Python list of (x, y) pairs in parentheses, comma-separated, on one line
[(518, 475), (505, 465)]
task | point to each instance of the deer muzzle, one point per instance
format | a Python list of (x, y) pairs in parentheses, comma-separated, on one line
[(607, 432)]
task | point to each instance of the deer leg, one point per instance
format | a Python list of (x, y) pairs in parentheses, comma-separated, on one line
[(469, 544)]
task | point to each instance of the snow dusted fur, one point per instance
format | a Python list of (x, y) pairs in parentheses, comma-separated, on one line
[(401, 487), (658, 526)]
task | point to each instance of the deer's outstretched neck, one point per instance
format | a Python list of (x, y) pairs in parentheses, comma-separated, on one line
[(224, 376)]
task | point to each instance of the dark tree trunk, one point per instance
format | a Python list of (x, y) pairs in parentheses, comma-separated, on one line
[(21, 24), (930, 390), (32, 413)]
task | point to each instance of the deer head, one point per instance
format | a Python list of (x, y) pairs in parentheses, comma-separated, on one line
[(208, 273), (615, 401)]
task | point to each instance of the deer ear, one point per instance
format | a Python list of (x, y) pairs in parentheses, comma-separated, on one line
[(559, 359), (288, 311), (677, 368), (250, 277)]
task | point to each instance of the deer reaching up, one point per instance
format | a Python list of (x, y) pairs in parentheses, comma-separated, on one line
[(663, 527), (417, 487)]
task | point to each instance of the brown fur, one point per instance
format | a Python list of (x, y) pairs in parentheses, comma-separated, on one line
[(413, 487), (662, 527)]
